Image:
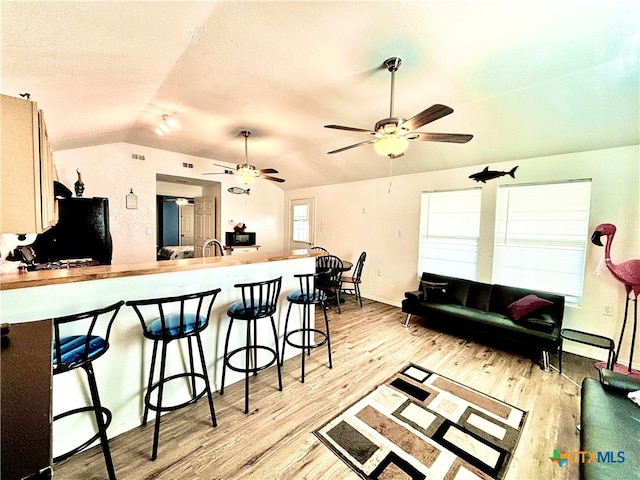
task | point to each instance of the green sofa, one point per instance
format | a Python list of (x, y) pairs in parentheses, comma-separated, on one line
[(481, 309), (609, 428)]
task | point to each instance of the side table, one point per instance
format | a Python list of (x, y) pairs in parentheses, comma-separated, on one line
[(588, 339)]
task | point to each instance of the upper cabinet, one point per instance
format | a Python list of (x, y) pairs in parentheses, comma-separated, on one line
[(27, 203)]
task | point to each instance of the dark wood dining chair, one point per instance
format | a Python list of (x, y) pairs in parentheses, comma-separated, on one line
[(351, 283), (331, 283)]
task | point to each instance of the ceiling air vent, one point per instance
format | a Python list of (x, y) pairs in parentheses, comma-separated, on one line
[(137, 156)]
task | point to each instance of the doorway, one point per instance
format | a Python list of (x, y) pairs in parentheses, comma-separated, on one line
[(177, 224)]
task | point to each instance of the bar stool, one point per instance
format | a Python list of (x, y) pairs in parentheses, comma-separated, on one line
[(309, 294), (164, 320), (80, 339), (259, 300)]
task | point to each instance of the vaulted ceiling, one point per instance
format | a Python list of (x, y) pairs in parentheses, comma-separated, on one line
[(527, 79)]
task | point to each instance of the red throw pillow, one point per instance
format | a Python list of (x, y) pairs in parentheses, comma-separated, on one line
[(526, 306)]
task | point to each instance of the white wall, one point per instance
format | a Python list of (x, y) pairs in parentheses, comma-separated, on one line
[(367, 216), (109, 171)]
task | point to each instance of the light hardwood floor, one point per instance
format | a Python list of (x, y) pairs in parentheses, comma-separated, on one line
[(275, 440)]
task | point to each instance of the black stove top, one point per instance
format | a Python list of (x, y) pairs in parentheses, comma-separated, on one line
[(62, 264)]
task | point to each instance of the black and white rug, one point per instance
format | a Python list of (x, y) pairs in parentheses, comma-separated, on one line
[(421, 425)]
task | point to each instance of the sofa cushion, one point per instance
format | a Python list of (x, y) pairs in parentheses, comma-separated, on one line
[(479, 296), (544, 323), (608, 424), (526, 306), (435, 291), (458, 288)]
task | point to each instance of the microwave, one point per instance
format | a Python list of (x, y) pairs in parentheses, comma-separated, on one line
[(236, 239)]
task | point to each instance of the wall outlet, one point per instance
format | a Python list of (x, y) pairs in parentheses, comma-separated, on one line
[(607, 310), (379, 272)]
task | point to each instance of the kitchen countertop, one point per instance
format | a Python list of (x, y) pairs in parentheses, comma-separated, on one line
[(71, 275)]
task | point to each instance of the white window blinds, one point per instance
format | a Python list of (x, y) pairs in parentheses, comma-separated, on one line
[(541, 237), (449, 230)]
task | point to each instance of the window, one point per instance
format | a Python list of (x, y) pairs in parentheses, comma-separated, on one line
[(301, 223), (541, 237), (449, 230)]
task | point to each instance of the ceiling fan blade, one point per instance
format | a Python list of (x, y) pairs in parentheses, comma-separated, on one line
[(351, 146), (440, 137), (226, 171), (431, 114), (226, 167), (267, 170), (273, 179), (350, 129)]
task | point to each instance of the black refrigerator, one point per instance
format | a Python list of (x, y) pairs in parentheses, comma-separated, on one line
[(82, 231)]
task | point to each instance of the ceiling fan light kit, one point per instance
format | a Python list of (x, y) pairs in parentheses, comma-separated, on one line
[(248, 173), (393, 134), (391, 145)]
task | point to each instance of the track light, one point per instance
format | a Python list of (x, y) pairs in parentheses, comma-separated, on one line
[(168, 123)]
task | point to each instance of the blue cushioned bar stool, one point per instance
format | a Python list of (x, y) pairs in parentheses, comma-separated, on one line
[(164, 320), (308, 295), (78, 340), (259, 300)]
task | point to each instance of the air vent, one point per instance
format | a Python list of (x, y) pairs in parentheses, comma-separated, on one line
[(187, 165), (137, 156)]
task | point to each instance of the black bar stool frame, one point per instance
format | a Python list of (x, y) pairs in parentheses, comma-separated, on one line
[(308, 295), (79, 351), (163, 328), (258, 300)]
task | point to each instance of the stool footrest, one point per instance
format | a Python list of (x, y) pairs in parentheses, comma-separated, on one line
[(106, 413), (195, 396), (254, 349), (304, 331)]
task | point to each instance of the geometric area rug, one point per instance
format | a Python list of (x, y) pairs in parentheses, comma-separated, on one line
[(421, 425)]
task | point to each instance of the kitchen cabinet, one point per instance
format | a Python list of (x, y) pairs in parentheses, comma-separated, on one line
[(27, 203)]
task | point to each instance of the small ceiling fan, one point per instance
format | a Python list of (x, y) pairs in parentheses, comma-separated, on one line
[(247, 173), (393, 134)]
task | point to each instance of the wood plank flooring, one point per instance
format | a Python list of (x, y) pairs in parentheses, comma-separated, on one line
[(275, 440)]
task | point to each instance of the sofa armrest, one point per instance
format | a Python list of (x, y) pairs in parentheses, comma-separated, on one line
[(415, 295), (616, 381)]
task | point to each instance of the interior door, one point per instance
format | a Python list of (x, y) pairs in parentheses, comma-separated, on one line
[(204, 225), (187, 218), (302, 230)]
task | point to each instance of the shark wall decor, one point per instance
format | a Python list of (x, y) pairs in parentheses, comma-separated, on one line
[(487, 174), (238, 190)]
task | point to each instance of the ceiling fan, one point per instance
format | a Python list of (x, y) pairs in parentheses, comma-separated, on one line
[(247, 173), (393, 134)]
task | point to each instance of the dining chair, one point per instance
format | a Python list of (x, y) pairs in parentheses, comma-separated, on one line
[(321, 249), (332, 282), (351, 283)]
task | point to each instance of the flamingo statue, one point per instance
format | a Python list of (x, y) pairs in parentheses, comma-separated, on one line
[(626, 272)]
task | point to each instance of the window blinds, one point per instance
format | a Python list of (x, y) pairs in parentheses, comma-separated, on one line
[(449, 230), (541, 236)]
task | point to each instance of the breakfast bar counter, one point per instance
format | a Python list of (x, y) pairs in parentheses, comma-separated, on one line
[(70, 275), (122, 372)]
